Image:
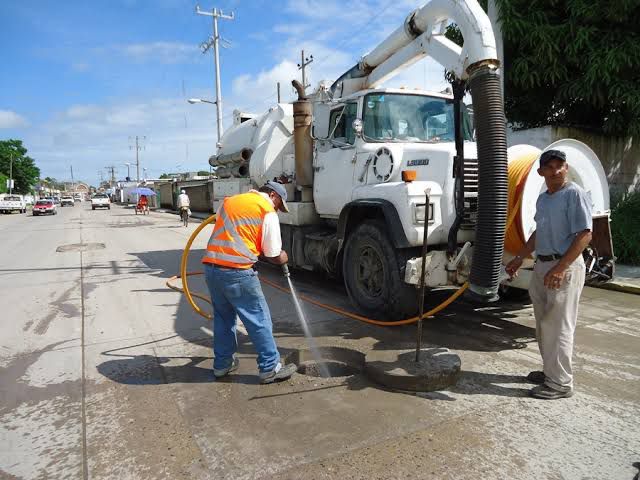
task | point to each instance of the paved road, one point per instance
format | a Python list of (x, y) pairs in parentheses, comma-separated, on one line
[(105, 373)]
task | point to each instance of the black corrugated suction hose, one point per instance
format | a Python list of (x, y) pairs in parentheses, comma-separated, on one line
[(493, 183)]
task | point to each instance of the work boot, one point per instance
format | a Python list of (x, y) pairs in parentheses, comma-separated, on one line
[(219, 373), (547, 393), (279, 373), (536, 377)]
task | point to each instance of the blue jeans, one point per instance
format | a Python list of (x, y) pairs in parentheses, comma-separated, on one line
[(238, 292)]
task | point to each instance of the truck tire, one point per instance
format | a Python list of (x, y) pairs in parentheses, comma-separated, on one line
[(373, 272)]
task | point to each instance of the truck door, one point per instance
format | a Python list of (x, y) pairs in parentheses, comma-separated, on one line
[(335, 161)]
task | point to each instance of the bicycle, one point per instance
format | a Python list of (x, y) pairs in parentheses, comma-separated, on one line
[(184, 216)]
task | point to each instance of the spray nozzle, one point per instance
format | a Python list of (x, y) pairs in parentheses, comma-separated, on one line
[(285, 270)]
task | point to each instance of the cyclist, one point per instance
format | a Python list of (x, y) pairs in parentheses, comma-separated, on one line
[(183, 206)]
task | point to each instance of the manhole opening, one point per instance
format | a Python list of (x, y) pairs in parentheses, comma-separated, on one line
[(337, 361), (335, 369), (79, 247)]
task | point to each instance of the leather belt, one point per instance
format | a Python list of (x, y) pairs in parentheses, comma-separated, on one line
[(549, 258)]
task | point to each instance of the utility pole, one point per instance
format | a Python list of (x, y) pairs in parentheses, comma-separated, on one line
[(73, 184), (137, 148), (302, 65), (10, 172), (213, 41), (112, 169)]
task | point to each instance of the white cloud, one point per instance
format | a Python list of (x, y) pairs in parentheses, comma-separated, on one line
[(291, 28), (9, 119), (255, 91), (164, 52), (90, 137)]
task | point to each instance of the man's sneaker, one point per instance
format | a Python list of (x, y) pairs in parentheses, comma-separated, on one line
[(536, 377), (547, 393), (218, 373), (281, 372)]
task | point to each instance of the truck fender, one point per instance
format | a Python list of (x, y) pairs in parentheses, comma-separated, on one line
[(358, 210)]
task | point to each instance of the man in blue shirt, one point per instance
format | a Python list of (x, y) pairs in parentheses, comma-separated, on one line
[(563, 230)]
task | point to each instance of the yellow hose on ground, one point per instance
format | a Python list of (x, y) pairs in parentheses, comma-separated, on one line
[(514, 240)]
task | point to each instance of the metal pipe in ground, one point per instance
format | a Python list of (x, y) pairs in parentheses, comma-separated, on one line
[(427, 192)]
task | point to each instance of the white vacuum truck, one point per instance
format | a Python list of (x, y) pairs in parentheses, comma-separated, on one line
[(357, 161)]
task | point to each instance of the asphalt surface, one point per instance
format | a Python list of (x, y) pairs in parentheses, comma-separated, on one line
[(105, 373)]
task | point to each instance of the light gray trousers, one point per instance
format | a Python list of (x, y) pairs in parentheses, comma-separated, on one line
[(556, 313)]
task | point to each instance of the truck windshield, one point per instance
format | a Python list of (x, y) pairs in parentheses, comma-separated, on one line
[(411, 118)]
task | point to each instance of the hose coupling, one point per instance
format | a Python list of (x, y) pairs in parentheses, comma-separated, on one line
[(285, 270)]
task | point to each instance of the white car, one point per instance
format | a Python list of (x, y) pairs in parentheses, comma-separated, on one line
[(67, 201), (100, 200), (12, 203)]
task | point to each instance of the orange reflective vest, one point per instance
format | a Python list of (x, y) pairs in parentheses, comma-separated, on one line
[(236, 240)]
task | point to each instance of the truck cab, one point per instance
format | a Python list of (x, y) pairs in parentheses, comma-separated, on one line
[(366, 141)]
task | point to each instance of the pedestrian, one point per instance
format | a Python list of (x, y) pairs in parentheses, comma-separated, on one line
[(563, 230), (246, 228)]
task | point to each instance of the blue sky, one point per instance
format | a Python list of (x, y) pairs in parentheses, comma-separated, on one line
[(80, 78)]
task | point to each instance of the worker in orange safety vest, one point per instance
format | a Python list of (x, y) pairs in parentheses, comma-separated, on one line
[(247, 228)]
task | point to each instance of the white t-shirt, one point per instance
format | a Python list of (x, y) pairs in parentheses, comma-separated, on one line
[(271, 239), (183, 200)]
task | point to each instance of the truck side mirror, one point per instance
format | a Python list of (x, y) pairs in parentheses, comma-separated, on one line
[(357, 126), (321, 115)]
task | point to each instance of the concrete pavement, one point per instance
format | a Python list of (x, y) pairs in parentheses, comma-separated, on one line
[(105, 373)]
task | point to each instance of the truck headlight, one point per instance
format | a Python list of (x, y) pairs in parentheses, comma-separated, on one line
[(419, 210)]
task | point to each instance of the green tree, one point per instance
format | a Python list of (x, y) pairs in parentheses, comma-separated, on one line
[(3, 183), (571, 63), (24, 170)]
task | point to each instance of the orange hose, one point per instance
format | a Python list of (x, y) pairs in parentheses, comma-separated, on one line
[(518, 171)]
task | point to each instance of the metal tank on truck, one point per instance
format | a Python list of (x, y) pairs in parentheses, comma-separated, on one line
[(358, 159)]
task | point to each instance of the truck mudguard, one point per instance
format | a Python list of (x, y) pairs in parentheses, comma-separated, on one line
[(372, 208)]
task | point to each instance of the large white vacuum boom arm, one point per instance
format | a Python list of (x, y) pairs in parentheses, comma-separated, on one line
[(422, 34)]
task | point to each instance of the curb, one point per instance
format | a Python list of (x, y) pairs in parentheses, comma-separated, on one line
[(620, 287)]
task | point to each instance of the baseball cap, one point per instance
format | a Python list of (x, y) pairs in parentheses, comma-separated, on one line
[(280, 190), (550, 154)]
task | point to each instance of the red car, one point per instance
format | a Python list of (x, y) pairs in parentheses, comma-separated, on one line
[(43, 207)]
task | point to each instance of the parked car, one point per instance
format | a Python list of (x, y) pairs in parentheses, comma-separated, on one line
[(100, 200), (10, 203), (67, 201), (44, 207)]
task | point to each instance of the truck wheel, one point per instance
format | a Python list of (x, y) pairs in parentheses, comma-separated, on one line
[(373, 273)]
